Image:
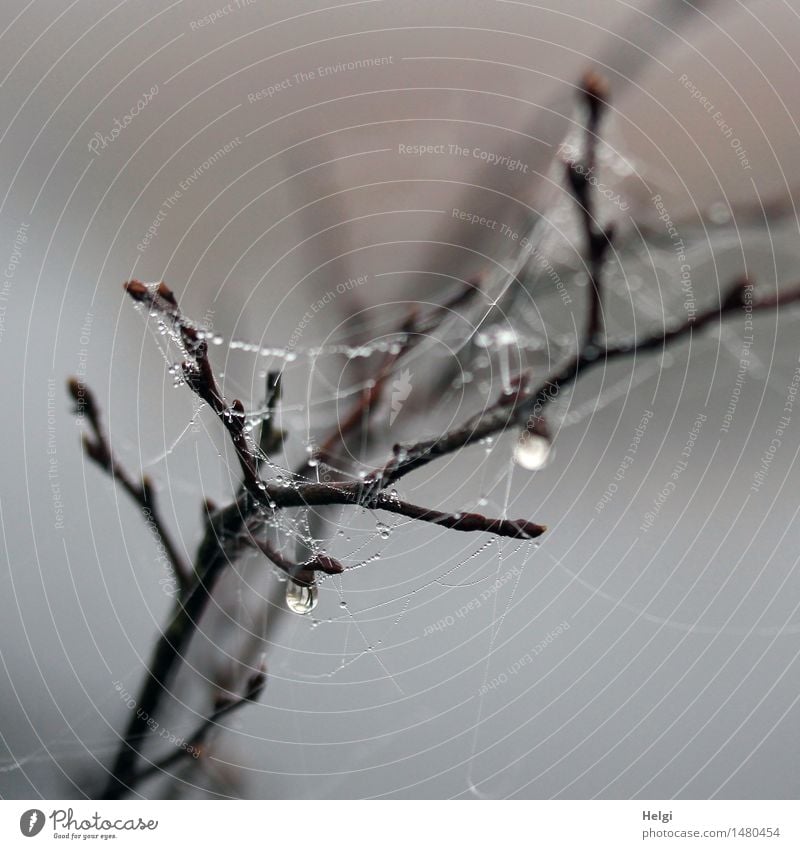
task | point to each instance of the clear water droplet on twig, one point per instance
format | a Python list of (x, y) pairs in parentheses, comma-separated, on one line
[(300, 598)]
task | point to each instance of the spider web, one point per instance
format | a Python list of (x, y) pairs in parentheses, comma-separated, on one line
[(521, 322)]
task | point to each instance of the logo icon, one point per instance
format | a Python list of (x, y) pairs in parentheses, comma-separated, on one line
[(31, 822), (401, 389)]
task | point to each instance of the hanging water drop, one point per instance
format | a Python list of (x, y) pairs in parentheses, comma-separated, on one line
[(532, 451), (383, 530), (300, 598), (496, 337)]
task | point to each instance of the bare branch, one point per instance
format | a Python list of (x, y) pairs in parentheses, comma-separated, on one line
[(200, 378), (230, 530), (225, 704), (300, 573), (98, 448)]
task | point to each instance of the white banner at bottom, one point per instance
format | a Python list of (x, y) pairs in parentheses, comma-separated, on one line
[(404, 824)]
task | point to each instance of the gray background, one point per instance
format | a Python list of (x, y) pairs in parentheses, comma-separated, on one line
[(678, 673)]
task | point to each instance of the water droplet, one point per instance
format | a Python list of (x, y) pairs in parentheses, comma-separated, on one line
[(532, 451), (342, 603), (384, 530), (496, 337), (300, 598), (216, 340), (719, 212)]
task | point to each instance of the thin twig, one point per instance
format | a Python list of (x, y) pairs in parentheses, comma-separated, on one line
[(237, 526), (225, 704), (98, 448), (200, 378)]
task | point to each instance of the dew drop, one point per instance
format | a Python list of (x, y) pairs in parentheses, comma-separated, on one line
[(383, 530), (342, 603), (591, 352), (301, 599), (719, 212), (496, 337), (532, 451)]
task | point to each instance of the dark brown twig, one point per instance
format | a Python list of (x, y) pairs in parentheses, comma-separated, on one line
[(580, 172), (300, 573), (239, 525), (229, 530), (98, 448), (200, 378), (225, 704)]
